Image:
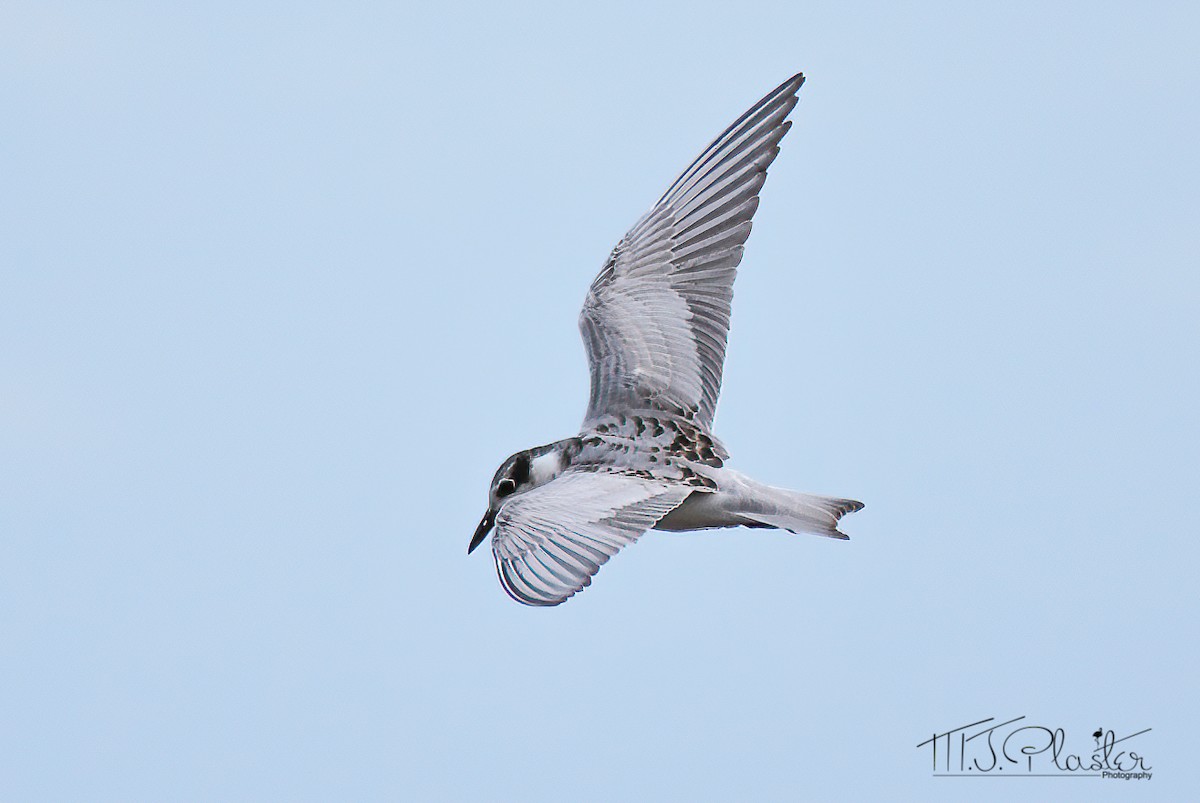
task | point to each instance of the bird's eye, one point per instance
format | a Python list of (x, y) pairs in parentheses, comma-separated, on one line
[(505, 487)]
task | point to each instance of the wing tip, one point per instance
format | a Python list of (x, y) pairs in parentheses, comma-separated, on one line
[(788, 88)]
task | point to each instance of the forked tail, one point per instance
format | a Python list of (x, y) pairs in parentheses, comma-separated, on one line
[(796, 512), (746, 502)]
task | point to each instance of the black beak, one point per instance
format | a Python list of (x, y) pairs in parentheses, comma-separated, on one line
[(482, 530)]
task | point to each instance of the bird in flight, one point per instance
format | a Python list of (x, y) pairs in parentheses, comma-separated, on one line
[(654, 324)]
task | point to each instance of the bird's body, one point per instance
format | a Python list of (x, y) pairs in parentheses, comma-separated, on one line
[(654, 324)]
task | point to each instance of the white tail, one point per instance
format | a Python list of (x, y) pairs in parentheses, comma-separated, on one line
[(740, 500), (797, 512)]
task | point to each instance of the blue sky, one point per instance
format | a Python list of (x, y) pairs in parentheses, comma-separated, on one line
[(282, 286)]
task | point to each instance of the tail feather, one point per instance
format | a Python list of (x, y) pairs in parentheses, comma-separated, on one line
[(749, 503), (798, 512)]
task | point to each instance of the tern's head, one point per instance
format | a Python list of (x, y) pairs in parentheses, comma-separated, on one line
[(522, 472), (512, 477)]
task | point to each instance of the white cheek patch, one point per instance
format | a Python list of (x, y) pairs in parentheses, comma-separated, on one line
[(545, 468)]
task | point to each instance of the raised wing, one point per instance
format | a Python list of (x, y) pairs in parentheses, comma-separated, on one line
[(550, 541), (655, 320)]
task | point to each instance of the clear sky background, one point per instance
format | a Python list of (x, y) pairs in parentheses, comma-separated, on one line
[(280, 288)]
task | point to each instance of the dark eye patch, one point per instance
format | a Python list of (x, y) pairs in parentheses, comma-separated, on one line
[(520, 472), (505, 487)]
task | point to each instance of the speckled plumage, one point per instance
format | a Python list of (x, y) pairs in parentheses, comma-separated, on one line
[(654, 324)]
